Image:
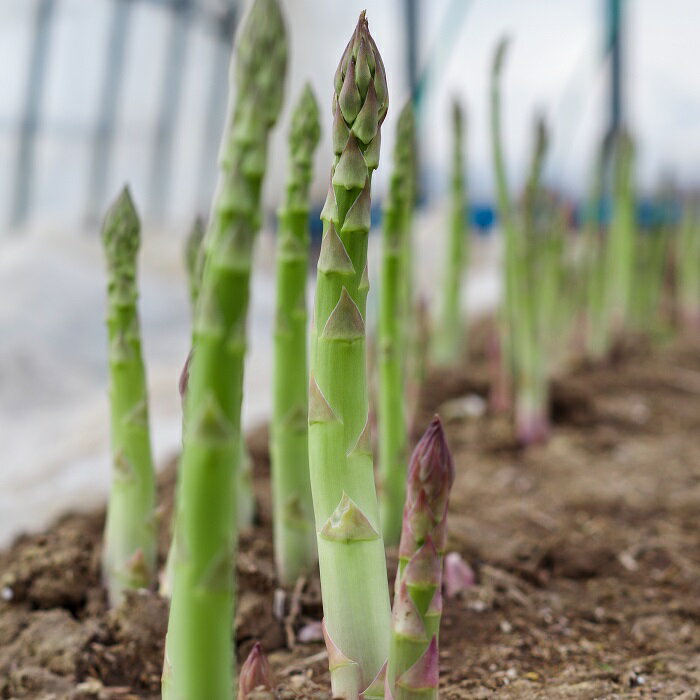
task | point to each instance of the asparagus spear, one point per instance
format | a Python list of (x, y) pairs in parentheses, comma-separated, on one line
[(294, 535), (393, 332), (129, 556), (350, 548), (413, 659), (199, 650), (687, 255), (621, 257), (450, 340), (506, 217), (194, 258), (256, 681)]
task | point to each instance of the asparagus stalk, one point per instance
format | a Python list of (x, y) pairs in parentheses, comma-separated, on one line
[(350, 548), (194, 258), (199, 650), (129, 556), (688, 267), (255, 681), (501, 382), (294, 536), (412, 671), (621, 258), (452, 332), (393, 332)]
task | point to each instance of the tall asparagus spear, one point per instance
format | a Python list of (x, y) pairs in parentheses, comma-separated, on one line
[(199, 650), (393, 332), (413, 661), (294, 535), (450, 340), (129, 556), (350, 547)]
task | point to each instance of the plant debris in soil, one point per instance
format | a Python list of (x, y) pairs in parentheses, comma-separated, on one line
[(586, 553)]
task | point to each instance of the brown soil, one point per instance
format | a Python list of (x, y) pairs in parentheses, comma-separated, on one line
[(586, 551)]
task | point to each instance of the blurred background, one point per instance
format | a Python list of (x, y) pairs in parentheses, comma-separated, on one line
[(96, 93)]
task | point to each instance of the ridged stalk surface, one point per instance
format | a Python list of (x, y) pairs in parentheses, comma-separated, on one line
[(350, 546), (294, 534), (199, 659), (129, 555)]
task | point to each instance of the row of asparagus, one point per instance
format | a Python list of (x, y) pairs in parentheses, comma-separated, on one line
[(326, 506), (564, 293)]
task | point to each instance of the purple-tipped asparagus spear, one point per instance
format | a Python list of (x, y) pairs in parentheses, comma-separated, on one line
[(413, 657), (255, 680)]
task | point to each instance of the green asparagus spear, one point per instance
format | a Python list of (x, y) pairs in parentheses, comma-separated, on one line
[(294, 535), (350, 546), (194, 258), (199, 650), (129, 556), (393, 332), (450, 339)]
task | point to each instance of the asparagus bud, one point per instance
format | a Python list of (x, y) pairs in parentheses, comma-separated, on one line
[(255, 681), (129, 555), (351, 552), (412, 668), (199, 646), (294, 536)]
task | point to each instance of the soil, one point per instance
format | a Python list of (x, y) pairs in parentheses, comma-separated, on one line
[(586, 552)]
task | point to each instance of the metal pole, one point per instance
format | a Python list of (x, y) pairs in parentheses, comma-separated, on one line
[(110, 94), (160, 178), (24, 170)]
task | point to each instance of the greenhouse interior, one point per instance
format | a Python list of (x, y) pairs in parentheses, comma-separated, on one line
[(349, 350)]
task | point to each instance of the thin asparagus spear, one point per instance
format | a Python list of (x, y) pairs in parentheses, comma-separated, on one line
[(393, 333), (194, 258), (199, 649), (350, 547), (129, 556), (294, 535), (450, 340)]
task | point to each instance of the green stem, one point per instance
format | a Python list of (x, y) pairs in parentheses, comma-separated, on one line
[(199, 646), (294, 535), (393, 333), (350, 548), (129, 556)]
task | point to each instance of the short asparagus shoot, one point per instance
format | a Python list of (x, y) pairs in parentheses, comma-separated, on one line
[(294, 534), (413, 660), (129, 555), (255, 681), (451, 336)]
